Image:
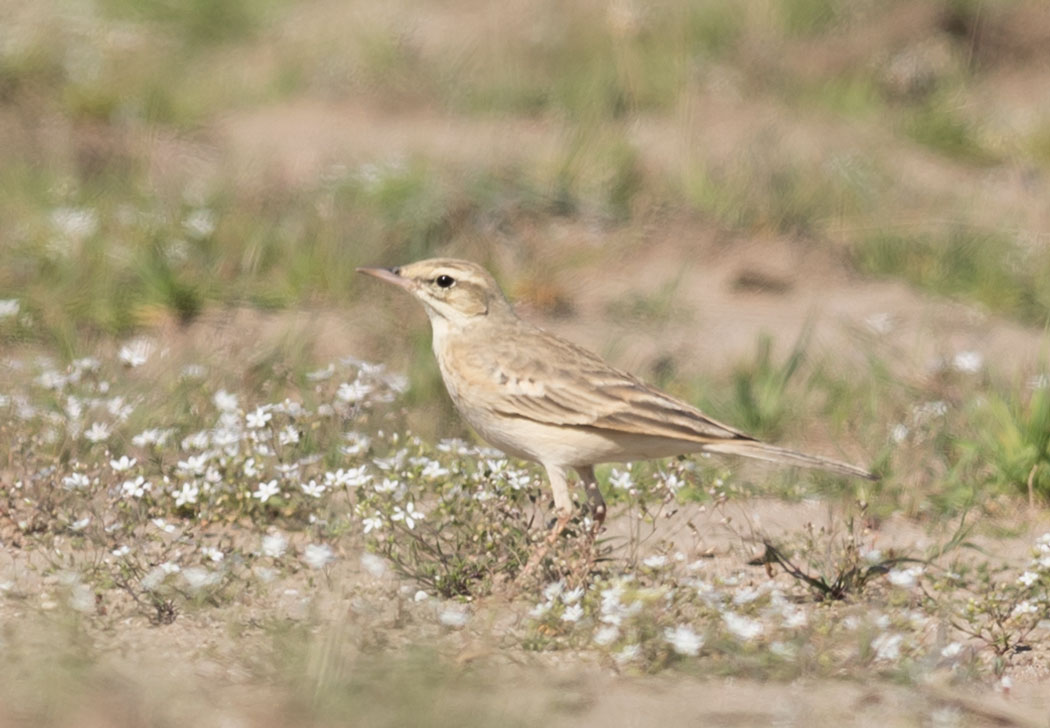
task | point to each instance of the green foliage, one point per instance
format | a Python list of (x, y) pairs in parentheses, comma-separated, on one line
[(1012, 439), (762, 390), (978, 265)]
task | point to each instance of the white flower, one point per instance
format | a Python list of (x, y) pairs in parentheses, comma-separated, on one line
[(135, 488), (572, 613), (656, 561), (952, 650), (433, 470), (80, 524), (187, 494), (741, 627), (152, 436), (213, 553), (258, 418), (387, 486), (606, 635), (629, 653), (97, 432), (409, 515), (288, 435), (136, 352), (354, 392), (684, 640), (899, 433), (904, 578), (266, 490), (74, 481), (9, 307), (350, 478), (358, 443), (75, 223), (1028, 578), (193, 465), (313, 489), (573, 596), (879, 323), (1023, 608), (249, 468), (373, 564), (540, 609), (373, 523), (968, 362), (225, 401), (274, 545), (318, 555), (453, 617), (620, 479), (200, 223), (887, 646), (553, 590), (197, 577)]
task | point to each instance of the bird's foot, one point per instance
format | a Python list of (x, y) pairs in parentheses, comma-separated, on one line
[(544, 548)]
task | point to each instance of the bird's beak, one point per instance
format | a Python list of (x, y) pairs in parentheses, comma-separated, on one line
[(390, 275)]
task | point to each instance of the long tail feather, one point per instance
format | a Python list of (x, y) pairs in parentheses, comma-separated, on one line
[(774, 454)]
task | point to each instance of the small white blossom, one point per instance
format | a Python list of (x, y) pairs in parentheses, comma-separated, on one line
[(454, 617), (258, 419), (9, 307), (434, 470), (317, 556), (951, 651), (741, 627), (356, 443), (656, 561), (288, 435), (606, 635), (620, 479), (187, 495), (349, 478), (968, 362), (904, 578), (374, 565), (125, 463), (98, 432), (409, 515), (136, 352), (313, 489), (887, 646), (274, 545), (225, 401), (249, 468), (75, 481), (1028, 578), (351, 392), (213, 553), (266, 490), (899, 433), (684, 640), (373, 523), (135, 488), (572, 613)]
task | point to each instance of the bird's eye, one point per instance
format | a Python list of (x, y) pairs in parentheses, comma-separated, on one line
[(445, 281)]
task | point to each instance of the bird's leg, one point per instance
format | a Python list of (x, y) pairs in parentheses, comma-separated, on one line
[(563, 506), (594, 495)]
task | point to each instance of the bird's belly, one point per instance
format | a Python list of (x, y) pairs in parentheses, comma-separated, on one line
[(568, 445)]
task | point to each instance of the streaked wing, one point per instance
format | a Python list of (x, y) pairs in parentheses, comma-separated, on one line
[(538, 376)]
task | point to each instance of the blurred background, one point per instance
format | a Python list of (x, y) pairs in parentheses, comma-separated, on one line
[(665, 182)]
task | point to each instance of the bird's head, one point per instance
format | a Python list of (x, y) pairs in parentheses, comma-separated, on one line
[(457, 291)]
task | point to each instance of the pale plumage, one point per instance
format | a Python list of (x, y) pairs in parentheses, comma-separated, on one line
[(543, 398)]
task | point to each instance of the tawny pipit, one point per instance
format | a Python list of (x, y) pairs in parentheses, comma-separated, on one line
[(542, 398)]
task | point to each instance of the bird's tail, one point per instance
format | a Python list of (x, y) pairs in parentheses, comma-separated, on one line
[(774, 454)]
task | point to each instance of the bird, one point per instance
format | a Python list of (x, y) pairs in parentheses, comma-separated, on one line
[(540, 397)]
